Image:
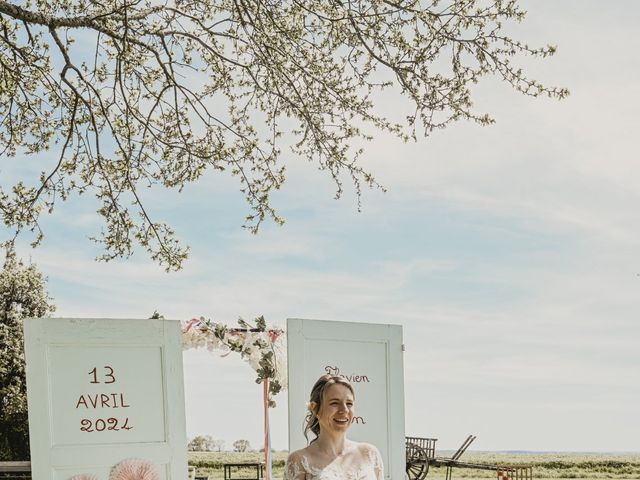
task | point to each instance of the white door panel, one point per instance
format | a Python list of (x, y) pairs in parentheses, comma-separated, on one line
[(101, 391), (369, 356)]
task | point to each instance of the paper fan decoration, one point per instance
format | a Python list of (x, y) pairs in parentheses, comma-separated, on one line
[(84, 476), (134, 469)]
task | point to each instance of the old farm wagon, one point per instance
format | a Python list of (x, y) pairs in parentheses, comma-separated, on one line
[(421, 454)]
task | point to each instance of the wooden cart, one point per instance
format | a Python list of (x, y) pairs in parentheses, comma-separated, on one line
[(421, 454)]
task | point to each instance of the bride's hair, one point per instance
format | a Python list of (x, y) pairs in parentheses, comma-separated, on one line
[(317, 395)]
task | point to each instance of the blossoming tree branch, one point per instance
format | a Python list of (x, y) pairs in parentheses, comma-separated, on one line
[(123, 95)]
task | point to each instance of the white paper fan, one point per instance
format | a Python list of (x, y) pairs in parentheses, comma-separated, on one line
[(134, 469)]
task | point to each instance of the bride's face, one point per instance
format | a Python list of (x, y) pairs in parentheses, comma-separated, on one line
[(336, 410)]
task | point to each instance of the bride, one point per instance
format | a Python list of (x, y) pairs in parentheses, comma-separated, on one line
[(330, 455)]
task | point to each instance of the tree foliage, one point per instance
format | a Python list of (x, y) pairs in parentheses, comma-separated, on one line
[(134, 93), (217, 445), (22, 295), (205, 443), (241, 446)]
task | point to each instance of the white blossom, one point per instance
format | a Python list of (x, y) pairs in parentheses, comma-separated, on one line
[(254, 346)]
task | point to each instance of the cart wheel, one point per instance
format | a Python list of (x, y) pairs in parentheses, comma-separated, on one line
[(417, 463)]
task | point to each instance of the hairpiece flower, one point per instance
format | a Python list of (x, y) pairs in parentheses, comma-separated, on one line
[(134, 469), (84, 476)]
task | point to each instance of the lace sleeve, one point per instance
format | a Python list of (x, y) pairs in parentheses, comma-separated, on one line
[(376, 460), (293, 469)]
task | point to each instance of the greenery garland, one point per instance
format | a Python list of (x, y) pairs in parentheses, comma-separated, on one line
[(260, 346)]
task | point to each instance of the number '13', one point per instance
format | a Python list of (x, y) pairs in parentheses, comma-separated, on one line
[(108, 375)]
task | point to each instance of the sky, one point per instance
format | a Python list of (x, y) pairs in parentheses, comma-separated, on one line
[(509, 254)]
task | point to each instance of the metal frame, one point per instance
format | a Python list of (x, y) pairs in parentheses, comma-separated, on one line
[(258, 466)]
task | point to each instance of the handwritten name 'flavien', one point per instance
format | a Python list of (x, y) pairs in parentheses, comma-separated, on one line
[(335, 371)]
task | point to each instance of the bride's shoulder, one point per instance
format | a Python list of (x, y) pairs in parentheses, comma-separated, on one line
[(365, 447), (368, 451), (297, 465), (297, 456)]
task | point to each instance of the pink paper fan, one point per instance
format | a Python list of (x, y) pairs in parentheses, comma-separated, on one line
[(84, 476), (134, 469)]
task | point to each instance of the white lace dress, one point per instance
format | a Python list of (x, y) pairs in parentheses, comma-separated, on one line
[(361, 462)]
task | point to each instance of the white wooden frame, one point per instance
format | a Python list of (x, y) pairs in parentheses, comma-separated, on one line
[(305, 338), (60, 462)]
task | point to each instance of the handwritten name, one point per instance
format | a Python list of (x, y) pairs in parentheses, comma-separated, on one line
[(335, 371)]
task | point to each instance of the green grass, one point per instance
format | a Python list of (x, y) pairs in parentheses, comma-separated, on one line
[(547, 465), (211, 463), (551, 465)]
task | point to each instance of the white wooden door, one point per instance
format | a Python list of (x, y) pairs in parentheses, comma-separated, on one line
[(367, 355), (101, 391)]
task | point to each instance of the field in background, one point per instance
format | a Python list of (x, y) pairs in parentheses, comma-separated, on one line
[(210, 463), (596, 466)]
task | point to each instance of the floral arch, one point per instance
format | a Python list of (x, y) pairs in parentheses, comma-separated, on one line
[(262, 347)]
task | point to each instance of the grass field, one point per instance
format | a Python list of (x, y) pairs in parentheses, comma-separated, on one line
[(596, 466)]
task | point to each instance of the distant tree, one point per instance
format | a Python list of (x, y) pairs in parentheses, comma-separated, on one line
[(218, 445), (22, 295), (197, 444), (241, 446), (133, 94), (205, 443)]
